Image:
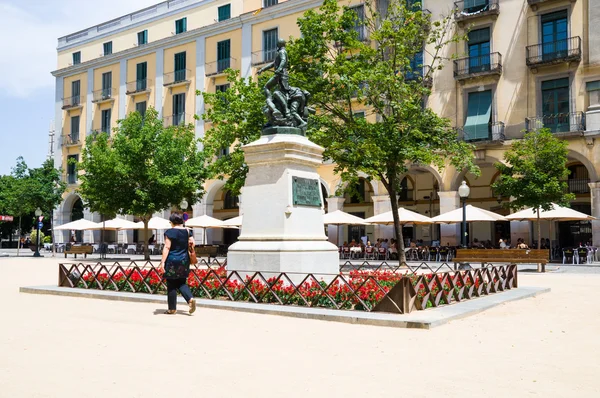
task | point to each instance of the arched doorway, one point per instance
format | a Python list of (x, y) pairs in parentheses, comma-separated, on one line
[(573, 233), (77, 214), (419, 193), (359, 202)]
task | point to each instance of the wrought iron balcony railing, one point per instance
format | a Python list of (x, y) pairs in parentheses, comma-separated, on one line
[(578, 185), (177, 119), (470, 9), (534, 3), (470, 67), (71, 140), (106, 94), (495, 134), (263, 56), (566, 50), (423, 74), (73, 102), (71, 178), (220, 66), (178, 76), (559, 123), (138, 86)]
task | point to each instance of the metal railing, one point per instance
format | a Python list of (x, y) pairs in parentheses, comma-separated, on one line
[(263, 56), (487, 64), (534, 2), (71, 140), (385, 289), (71, 178), (554, 52), (72, 102), (177, 119), (423, 74), (178, 76), (471, 10), (104, 94), (138, 86), (577, 185), (495, 134), (558, 123), (220, 66)]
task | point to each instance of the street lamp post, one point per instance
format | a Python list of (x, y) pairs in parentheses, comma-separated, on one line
[(463, 192), (38, 213)]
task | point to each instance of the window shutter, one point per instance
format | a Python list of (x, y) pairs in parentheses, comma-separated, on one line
[(479, 113)]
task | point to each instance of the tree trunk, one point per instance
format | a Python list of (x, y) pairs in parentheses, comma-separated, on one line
[(19, 242), (146, 254), (541, 267), (397, 227)]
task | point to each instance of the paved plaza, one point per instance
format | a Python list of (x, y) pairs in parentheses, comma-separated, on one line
[(67, 347)]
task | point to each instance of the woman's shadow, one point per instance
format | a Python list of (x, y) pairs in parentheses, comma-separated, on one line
[(161, 311)]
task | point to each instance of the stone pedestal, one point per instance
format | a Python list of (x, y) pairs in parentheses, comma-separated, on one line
[(282, 230)]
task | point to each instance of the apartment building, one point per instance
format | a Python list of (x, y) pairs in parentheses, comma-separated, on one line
[(526, 64)]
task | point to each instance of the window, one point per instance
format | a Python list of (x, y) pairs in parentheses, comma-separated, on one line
[(223, 55), (105, 127), (555, 105), (415, 5), (405, 193), (75, 92), (474, 6), (140, 107), (180, 26), (479, 116), (142, 37), (359, 115), (178, 109), (107, 48), (269, 3), (180, 65), (77, 58), (554, 35), (416, 66), (106, 85), (479, 50), (359, 22), (224, 12), (72, 168), (223, 152), (74, 129), (141, 75), (270, 44), (221, 88), (231, 201)]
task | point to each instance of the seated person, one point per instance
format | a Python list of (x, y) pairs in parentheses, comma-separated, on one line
[(502, 244), (385, 244)]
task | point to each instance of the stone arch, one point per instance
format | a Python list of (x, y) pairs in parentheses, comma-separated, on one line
[(586, 162), (374, 184), (212, 191), (459, 176)]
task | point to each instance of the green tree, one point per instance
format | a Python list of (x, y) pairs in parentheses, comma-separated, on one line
[(374, 66), (236, 119), (142, 169), (535, 174)]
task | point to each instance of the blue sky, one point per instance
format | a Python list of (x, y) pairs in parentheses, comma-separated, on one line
[(29, 30)]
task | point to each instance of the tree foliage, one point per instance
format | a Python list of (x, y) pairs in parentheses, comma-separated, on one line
[(142, 169), (351, 66), (535, 173), (236, 118)]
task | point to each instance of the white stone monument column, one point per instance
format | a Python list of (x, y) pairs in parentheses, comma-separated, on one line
[(449, 233), (595, 201), (382, 204), (333, 231), (282, 228)]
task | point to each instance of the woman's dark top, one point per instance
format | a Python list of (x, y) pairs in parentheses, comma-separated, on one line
[(178, 261)]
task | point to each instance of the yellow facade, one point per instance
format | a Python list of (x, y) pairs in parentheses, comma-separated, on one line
[(516, 91)]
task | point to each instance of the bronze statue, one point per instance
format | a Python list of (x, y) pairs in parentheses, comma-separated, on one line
[(285, 105)]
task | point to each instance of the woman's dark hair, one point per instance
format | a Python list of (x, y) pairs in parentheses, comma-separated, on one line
[(176, 218)]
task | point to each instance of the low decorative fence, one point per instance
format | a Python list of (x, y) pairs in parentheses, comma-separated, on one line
[(359, 286)]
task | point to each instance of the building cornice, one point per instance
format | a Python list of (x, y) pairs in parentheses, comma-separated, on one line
[(276, 11)]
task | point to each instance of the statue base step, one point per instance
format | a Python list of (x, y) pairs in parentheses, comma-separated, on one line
[(282, 130)]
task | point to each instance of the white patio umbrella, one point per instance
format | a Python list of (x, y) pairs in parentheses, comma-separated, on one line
[(117, 224), (79, 225), (204, 222), (557, 213), (234, 222), (473, 214), (406, 217), (339, 217), (155, 223)]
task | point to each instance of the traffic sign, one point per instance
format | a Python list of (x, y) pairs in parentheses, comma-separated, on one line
[(6, 218), (185, 216), (40, 225)]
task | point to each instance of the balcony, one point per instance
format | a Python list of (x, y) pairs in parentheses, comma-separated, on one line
[(104, 95), (578, 185), (495, 134), (74, 102), (572, 123), (263, 57), (534, 3), (70, 140), (178, 78), (483, 65), (219, 67), (423, 74), (70, 178), (556, 52), (141, 86), (468, 10), (177, 119)]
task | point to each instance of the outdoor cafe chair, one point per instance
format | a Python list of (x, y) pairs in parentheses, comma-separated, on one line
[(443, 254), (369, 253), (568, 255), (383, 253), (111, 249), (433, 254), (346, 252), (132, 249), (582, 255), (96, 248)]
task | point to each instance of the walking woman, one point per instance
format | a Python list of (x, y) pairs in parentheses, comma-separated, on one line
[(176, 263)]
